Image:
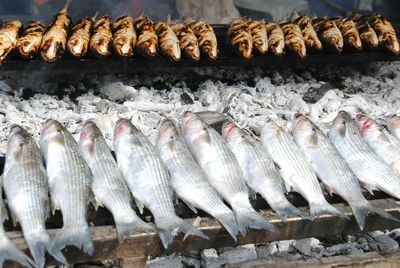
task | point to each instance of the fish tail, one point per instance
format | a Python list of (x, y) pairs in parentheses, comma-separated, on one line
[(251, 219), (324, 207), (125, 229), (361, 209), (9, 251), (228, 220), (284, 207), (74, 235)]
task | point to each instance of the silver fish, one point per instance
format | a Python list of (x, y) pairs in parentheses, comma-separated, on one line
[(368, 167), (259, 169), (70, 182), (148, 179), (188, 180), (25, 185), (108, 185), (331, 168), (294, 168), (222, 170), (393, 125)]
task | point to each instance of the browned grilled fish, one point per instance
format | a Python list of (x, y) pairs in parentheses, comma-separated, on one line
[(240, 38), (100, 42), (309, 34), (294, 39), (124, 36), (55, 39), (167, 41), (206, 38), (8, 38), (329, 34), (276, 38), (386, 34), (260, 38), (349, 31), (147, 43), (78, 42), (187, 40), (368, 36), (29, 42)]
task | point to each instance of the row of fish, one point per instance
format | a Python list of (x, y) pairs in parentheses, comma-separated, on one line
[(202, 164), (304, 34)]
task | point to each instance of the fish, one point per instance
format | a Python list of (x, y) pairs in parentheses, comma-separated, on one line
[(240, 38), (188, 180), (369, 38), (295, 169), (70, 182), (26, 189), (8, 37), (206, 37), (294, 39), (329, 34), (55, 37), (124, 36), (259, 33), (365, 164), (393, 126), (309, 34), (259, 169), (331, 168), (147, 43), (351, 37), (148, 180), (222, 171), (380, 141), (386, 34), (29, 42), (167, 41), (187, 40), (276, 38), (108, 185), (78, 42), (101, 39)]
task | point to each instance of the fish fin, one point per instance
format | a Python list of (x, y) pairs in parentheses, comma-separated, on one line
[(324, 207), (288, 187), (251, 219), (283, 207), (192, 208), (74, 235), (140, 206), (9, 251), (14, 219), (4, 214), (127, 228), (228, 220), (54, 205), (370, 188), (329, 190)]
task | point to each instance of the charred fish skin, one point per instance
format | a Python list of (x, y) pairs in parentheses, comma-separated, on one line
[(187, 40), (351, 37), (124, 36), (109, 187), (8, 37), (369, 169), (148, 180), (259, 169), (100, 42), (309, 34), (294, 39), (386, 34), (329, 34), (78, 42), (29, 42), (276, 38), (240, 38), (25, 185), (167, 41), (295, 169), (259, 34), (206, 37), (188, 180), (331, 168), (70, 183), (368, 35), (222, 171), (147, 43)]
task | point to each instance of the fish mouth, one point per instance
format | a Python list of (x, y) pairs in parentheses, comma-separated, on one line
[(364, 123), (87, 129), (48, 124)]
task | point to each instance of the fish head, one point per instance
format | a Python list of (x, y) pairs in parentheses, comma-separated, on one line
[(166, 133), (339, 124), (394, 123), (123, 131), (89, 133), (17, 139), (51, 132), (193, 127), (231, 132), (302, 125), (366, 125)]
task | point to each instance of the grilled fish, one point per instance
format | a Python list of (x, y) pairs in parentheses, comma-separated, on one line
[(188, 180), (329, 34), (294, 168), (368, 167), (386, 34), (8, 37), (276, 38), (147, 43), (148, 179), (78, 42), (167, 41), (393, 125), (240, 38), (187, 40), (70, 182), (258, 169), (55, 38), (368, 35), (351, 37), (124, 36), (100, 42), (331, 168), (309, 34), (259, 33), (294, 39), (25, 185), (206, 38), (222, 171), (29, 42)]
